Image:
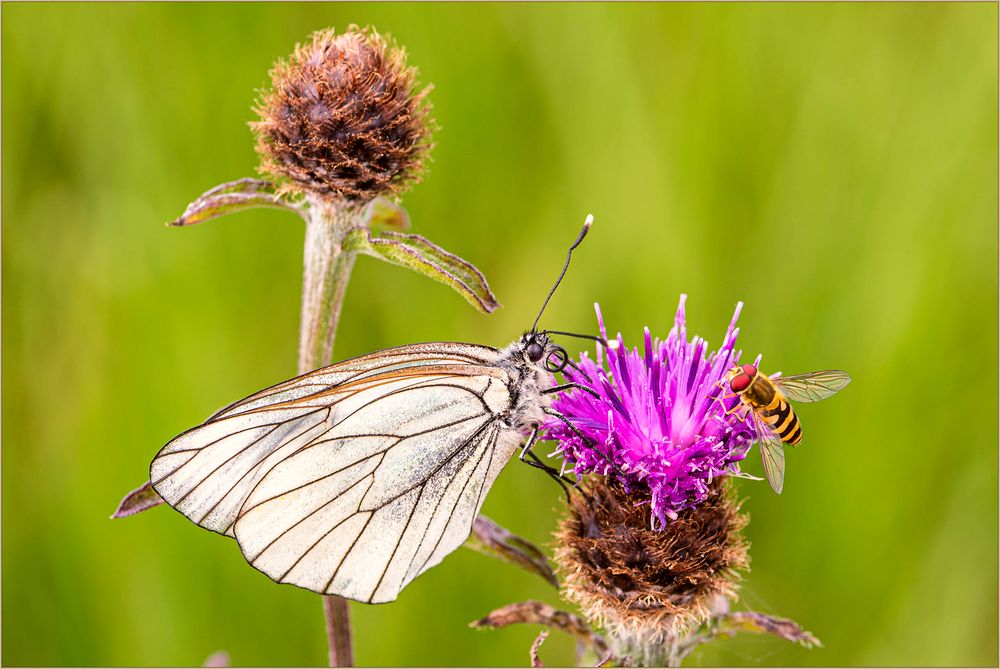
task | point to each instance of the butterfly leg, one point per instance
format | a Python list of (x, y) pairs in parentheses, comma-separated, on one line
[(535, 461), (567, 386), (579, 371), (590, 444)]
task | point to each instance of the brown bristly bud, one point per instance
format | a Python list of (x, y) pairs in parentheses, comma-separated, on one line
[(344, 119), (646, 588)]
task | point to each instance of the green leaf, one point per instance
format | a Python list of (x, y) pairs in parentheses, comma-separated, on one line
[(421, 255), (229, 198), (244, 185)]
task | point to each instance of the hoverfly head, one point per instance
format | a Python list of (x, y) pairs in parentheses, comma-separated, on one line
[(741, 377)]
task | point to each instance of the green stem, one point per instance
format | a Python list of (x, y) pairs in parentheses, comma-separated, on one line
[(338, 631), (327, 270)]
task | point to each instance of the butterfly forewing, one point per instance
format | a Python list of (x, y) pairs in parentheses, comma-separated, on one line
[(356, 369), (812, 387), (352, 479)]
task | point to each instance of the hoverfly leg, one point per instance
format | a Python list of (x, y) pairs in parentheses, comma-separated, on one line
[(721, 399), (736, 409)]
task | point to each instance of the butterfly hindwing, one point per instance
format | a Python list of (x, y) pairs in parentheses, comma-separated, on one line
[(324, 536)]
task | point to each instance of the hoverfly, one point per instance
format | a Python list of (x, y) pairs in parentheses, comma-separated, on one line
[(354, 479), (766, 399)]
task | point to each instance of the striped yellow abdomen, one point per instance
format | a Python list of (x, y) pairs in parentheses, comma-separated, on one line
[(765, 398)]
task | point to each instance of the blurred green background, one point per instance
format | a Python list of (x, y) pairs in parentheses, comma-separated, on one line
[(834, 166)]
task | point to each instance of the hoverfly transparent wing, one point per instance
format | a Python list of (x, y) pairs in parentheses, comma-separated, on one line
[(772, 453), (812, 387), (748, 476)]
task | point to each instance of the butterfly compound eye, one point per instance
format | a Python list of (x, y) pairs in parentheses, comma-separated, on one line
[(534, 352)]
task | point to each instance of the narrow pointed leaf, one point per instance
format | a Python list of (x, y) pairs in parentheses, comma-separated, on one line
[(229, 198), (761, 623), (140, 499), (244, 185), (533, 612), (420, 254), (490, 539)]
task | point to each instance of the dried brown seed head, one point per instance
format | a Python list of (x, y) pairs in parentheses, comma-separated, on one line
[(343, 118), (644, 586)]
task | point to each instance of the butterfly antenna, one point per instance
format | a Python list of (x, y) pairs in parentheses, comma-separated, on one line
[(600, 340), (583, 233)]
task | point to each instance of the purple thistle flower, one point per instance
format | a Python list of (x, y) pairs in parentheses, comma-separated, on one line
[(658, 417)]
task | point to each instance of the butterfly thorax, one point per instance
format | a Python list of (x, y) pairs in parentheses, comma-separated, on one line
[(527, 379)]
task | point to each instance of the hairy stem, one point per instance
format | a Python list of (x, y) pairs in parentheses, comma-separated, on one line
[(640, 650), (324, 283)]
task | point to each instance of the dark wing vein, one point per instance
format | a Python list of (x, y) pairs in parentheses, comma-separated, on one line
[(350, 548), (461, 447), (324, 536), (444, 527), (314, 511), (451, 513), (399, 437), (493, 447), (402, 533), (248, 509)]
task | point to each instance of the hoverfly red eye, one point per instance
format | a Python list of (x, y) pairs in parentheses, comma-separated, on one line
[(739, 383), (750, 370)]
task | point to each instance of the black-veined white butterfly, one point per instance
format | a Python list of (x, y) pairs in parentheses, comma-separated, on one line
[(355, 478)]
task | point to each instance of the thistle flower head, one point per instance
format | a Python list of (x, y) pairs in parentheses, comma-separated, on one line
[(343, 118), (660, 417), (644, 587)]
